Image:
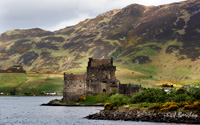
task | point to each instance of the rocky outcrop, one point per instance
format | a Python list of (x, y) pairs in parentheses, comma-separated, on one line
[(57, 102), (13, 69), (147, 116)]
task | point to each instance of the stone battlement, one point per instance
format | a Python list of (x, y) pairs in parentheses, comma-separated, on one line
[(74, 76), (100, 62)]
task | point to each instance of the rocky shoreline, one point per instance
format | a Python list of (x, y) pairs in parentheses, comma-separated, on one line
[(60, 103), (136, 114)]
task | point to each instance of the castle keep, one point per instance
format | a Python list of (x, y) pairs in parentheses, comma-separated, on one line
[(100, 77)]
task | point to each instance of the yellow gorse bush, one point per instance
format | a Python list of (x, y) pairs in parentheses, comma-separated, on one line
[(167, 104), (108, 106), (173, 106), (83, 97)]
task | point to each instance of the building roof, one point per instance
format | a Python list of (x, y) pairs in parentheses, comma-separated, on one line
[(100, 62)]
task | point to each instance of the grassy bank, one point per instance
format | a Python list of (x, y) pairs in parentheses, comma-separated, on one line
[(30, 84)]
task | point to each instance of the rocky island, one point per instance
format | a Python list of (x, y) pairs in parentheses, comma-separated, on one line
[(137, 114)]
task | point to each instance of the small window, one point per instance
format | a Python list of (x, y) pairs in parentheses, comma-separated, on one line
[(74, 86), (80, 85), (68, 86)]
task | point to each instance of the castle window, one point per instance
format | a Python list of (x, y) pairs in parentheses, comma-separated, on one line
[(74, 86), (68, 86), (80, 85)]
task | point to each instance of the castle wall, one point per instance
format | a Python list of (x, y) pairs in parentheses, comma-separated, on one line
[(128, 89), (101, 73), (74, 87), (95, 87)]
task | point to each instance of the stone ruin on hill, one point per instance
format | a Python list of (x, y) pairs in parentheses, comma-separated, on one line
[(13, 69), (100, 77)]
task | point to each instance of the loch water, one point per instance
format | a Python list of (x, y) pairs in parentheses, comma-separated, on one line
[(27, 111)]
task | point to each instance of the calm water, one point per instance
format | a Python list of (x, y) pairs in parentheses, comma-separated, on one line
[(26, 111)]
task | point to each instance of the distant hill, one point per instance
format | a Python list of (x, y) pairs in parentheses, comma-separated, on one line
[(157, 42)]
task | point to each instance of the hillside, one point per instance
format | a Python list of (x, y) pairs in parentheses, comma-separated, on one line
[(154, 44)]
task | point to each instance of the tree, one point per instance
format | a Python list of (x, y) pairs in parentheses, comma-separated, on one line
[(151, 95)]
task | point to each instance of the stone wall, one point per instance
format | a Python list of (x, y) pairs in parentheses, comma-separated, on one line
[(74, 87), (128, 89), (95, 87), (100, 70)]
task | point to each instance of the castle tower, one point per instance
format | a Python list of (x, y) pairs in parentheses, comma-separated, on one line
[(101, 69), (74, 86), (101, 75)]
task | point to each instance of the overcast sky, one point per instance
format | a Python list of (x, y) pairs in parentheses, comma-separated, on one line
[(56, 14)]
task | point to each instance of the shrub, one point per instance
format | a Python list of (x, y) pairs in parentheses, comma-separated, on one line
[(197, 95), (156, 107), (151, 95), (119, 100), (196, 105), (181, 98), (102, 97), (181, 91), (82, 98), (164, 109), (167, 104), (108, 106), (182, 104), (170, 106), (188, 107), (173, 107)]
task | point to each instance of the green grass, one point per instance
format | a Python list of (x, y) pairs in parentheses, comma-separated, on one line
[(112, 42), (14, 32), (94, 99), (146, 51), (142, 105), (81, 70), (150, 43), (30, 83)]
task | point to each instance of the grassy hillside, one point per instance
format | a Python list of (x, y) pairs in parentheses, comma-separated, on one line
[(151, 46), (30, 83)]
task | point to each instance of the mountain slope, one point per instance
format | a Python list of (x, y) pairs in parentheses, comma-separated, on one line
[(156, 43)]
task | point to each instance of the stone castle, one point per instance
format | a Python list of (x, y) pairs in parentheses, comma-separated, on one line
[(100, 77)]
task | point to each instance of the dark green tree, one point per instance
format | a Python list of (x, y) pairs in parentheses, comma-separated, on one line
[(151, 95)]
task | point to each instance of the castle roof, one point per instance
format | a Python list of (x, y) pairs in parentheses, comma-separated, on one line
[(100, 62)]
